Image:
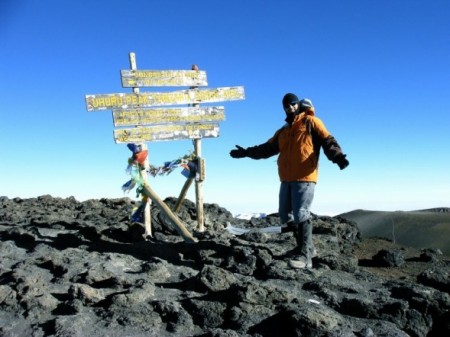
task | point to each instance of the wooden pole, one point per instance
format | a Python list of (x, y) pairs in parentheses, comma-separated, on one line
[(147, 218), (179, 226), (199, 182), (183, 193), (198, 188)]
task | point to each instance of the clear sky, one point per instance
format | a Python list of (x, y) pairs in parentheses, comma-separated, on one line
[(376, 71)]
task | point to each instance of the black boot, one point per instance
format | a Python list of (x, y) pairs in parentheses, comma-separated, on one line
[(298, 233), (304, 242), (307, 245)]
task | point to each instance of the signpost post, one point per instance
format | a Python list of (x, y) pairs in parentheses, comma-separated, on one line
[(147, 199), (201, 176), (150, 116)]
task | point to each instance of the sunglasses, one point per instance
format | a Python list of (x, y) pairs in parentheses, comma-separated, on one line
[(287, 105)]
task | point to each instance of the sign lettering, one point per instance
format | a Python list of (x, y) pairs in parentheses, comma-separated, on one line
[(166, 132), (160, 78), (148, 99), (123, 117)]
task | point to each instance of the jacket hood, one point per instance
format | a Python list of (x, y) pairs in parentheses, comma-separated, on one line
[(310, 111), (306, 106)]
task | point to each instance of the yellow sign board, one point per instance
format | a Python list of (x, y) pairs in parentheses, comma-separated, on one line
[(148, 99), (161, 78), (166, 132), (123, 117)]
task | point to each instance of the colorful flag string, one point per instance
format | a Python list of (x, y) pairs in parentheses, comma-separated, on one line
[(136, 164)]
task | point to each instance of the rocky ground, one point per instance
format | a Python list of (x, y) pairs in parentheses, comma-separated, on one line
[(71, 268)]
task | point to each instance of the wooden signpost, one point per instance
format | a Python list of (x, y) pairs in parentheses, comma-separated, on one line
[(138, 121)]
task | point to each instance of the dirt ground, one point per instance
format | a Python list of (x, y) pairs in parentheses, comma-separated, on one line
[(414, 264)]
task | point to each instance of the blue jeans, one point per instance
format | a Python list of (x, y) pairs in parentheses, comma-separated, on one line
[(297, 197)]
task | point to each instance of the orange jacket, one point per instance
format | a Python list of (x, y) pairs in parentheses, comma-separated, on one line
[(298, 146)]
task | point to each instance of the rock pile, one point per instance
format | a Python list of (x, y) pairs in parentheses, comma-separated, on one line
[(71, 268)]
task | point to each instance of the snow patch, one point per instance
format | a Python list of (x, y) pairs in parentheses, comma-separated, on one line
[(248, 216)]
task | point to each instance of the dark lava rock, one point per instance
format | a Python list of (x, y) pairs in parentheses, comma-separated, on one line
[(389, 258), (71, 268)]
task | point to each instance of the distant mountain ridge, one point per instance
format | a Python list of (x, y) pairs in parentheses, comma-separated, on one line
[(428, 228), (438, 209)]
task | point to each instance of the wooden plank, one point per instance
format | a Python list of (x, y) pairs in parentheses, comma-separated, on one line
[(124, 117), (166, 132), (149, 99), (162, 78)]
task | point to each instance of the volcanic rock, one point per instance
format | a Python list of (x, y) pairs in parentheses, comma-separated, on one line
[(71, 268)]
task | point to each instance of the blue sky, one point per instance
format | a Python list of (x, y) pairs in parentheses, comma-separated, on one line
[(376, 71)]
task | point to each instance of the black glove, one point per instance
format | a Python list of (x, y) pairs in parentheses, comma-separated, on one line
[(240, 152), (342, 162)]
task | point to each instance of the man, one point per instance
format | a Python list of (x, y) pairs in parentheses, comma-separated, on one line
[(298, 145)]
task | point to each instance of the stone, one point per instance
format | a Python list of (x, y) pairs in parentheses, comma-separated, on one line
[(71, 268)]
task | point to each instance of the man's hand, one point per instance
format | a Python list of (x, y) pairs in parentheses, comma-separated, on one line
[(342, 162), (239, 152)]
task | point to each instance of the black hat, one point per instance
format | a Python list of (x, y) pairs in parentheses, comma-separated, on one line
[(290, 99)]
